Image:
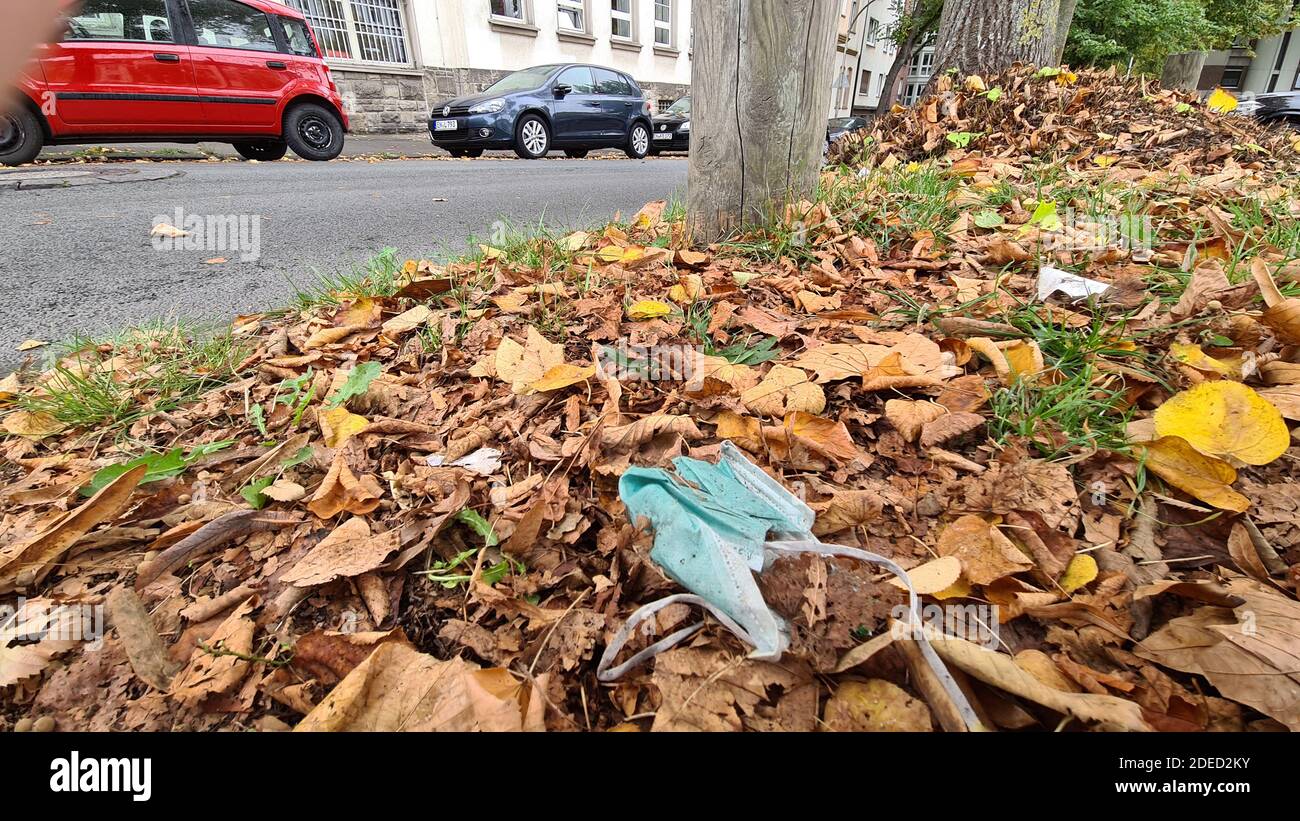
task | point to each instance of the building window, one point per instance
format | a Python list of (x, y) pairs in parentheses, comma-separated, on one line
[(873, 32), (573, 15), (368, 31), (1232, 77), (665, 103), (510, 9), (620, 16), (864, 86), (664, 23)]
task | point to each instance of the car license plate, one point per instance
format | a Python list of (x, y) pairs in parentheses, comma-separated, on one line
[(446, 125), (664, 136)]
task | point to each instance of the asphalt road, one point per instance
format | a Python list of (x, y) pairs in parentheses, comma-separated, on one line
[(81, 260)]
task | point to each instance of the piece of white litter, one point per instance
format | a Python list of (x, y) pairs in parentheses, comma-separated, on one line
[(484, 461), (1052, 280)]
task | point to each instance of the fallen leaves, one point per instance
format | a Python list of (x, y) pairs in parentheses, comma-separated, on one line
[(1225, 419), (348, 551), (342, 491), (397, 689), (1187, 469)]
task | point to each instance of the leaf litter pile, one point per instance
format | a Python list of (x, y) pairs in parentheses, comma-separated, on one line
[(1038, 342)]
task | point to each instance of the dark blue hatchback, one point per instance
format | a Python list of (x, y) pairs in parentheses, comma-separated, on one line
[(571, 107)]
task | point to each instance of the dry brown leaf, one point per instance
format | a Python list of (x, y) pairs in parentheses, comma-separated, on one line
[(218, 668), (349, 550), (986, 555), (33, 556), (398, 689), (1248, 653), (876, 706), (343, 491), (784, 390)]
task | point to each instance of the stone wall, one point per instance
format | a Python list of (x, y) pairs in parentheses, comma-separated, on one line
[(386, 103)]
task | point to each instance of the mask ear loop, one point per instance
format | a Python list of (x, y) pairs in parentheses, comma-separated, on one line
[(606, 673), (913, 614)]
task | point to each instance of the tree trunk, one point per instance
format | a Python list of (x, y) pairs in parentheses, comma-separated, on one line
[(762, 88), (987, 36), (1183, 71), (902, 59), (1063, 24)]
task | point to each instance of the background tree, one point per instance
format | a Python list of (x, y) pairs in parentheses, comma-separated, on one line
[(1167, 36), (758, 121), (918, 21), (985, 36)]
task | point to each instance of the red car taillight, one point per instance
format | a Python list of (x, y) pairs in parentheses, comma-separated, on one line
[(646, 109)]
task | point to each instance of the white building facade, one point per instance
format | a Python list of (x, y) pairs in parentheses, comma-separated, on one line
[(864, 55), (393, 59)]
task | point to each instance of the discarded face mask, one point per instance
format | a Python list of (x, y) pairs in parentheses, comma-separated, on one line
[(715, 526)]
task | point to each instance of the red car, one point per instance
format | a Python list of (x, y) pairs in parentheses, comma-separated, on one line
[(247, 72)]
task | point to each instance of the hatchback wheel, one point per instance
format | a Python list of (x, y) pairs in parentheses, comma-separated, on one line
[(262, 150), (21, 137), (533, 139), (638, 142), (313, 132)]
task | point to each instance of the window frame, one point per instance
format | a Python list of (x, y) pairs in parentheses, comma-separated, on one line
[(582, 7), (180, 35), (629, 16), (525, 8), (192, 31), (351, 35), (669, 26)]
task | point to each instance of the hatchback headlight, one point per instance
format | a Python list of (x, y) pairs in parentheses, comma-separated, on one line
[(686, 128), (490, 107)]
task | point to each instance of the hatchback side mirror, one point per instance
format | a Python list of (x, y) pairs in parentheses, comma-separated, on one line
[(563, 90)]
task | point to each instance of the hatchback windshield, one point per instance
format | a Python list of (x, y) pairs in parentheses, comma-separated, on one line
[(682, 106), (525, 80), (844, 122)]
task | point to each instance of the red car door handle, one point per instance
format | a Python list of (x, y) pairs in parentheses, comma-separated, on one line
[(164, 57), (276, 64)]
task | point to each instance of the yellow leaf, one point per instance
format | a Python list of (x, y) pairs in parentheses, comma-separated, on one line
[(32, 344), (32, 425), (163, 229), (9, 387), (339, 425), (1104, 160), (1204, 477), (1194, 357), (1221, 101), (610, 253), (689, 289), (525, 365), (935, 576), (649, 309), (959, 589), (975, 83), (490, 254), (561, 376), (575, 241), (745, 431), (1081, 571), (1225, 419)]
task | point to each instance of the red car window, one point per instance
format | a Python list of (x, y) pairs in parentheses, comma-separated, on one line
[(297, 37), (143, 21), (227, 24)]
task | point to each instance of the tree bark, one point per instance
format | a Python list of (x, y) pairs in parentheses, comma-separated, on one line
[(987, 36), (1063, 23), (1183, 71), (762, 88)]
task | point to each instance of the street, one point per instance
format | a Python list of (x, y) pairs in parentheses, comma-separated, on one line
[(80, 260)]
